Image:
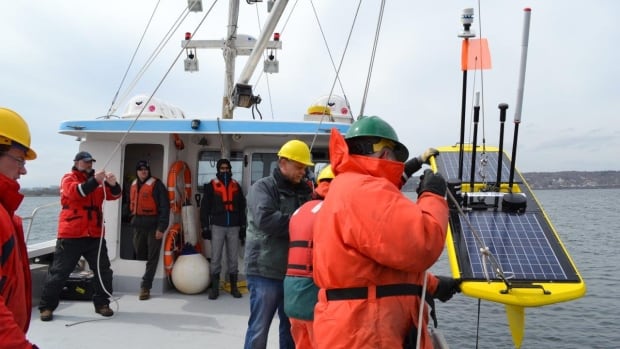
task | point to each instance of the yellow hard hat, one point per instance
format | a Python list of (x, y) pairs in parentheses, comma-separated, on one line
[(319, 110), (326, 173), (297, 151), (15, 129)]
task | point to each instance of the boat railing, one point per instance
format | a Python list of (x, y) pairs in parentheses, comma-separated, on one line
[(41, 248)]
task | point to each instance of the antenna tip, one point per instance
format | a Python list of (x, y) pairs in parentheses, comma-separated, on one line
[(527, 9)]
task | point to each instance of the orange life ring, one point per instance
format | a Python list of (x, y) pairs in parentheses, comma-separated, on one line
[(172, 247), (176, 169)]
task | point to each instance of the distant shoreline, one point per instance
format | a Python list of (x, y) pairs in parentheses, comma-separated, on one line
[(536, 180)]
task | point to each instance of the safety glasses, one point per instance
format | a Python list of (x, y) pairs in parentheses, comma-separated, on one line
[(21, 163), (383, 143)]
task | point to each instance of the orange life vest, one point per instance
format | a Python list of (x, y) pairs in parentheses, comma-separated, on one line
[(300, 239), (142, 202), (227, 193)]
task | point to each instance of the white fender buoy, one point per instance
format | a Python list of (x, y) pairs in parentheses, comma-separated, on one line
[(190, 274)]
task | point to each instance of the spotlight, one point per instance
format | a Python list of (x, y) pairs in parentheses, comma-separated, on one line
[(242, 96)]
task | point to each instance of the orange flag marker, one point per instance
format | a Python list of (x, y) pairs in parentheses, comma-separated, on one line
[(475, 54)]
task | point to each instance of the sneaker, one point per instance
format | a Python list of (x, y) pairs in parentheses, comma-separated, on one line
[(47, 315), (104, 310), (144, 294)]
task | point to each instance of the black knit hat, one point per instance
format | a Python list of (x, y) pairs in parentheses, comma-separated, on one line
[(221, 162), (142, 163)]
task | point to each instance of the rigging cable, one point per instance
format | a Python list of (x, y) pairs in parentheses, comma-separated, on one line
[(153, 55), (116, 149), (372, 57), (132, 59), (262, 72), (481, 75), (487, 255), (331, 58), (255, 105), (483, 248), (336, 70), (483, 155), (145, 104)]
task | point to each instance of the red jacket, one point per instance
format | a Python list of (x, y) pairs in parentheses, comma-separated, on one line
[(367, 234), (15, 281), (81, 214)]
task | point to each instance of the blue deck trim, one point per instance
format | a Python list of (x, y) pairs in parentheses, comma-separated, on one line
[(206, 126)]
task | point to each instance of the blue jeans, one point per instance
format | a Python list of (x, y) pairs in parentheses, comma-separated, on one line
[(266, 296)]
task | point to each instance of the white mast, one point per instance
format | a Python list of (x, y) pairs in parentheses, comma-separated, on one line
[(233, 46)]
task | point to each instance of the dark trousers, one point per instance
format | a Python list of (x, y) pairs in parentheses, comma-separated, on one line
[(66, 257), (147, 249)]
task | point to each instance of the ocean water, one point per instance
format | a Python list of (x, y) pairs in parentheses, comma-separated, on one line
[(45, 210), (588, 224)]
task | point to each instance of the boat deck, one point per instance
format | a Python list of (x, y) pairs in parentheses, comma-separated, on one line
[(171, 320)]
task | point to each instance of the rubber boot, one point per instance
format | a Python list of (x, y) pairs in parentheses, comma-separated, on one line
[(214, 291), (233, 286)]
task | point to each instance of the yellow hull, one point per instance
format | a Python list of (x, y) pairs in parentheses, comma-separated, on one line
[(527, 292)]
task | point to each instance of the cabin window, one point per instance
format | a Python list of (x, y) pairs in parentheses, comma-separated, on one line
[(264, 163), (207, 160)]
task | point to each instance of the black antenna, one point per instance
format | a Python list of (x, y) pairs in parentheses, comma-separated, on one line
[(475, 143), (502, 118), (500, 153)]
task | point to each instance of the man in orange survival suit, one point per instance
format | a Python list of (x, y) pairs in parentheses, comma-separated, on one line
[(372, 245), (15, 280), (300, 292)]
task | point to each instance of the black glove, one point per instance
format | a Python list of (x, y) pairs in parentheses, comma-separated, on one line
[(242, 234), (446, 288), (413, 165), (206, 233), (432, 182)]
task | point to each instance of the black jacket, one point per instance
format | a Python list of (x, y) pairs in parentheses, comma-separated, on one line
[(212, 208)]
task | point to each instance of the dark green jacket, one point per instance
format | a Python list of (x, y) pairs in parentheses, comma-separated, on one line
[(271, 201)]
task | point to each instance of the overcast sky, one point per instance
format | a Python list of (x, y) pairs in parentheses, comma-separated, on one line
[(64, 60)]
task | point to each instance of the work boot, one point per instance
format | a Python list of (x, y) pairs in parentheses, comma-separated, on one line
[(233, 286), (104, 310), (145, 294), (47, 315), (214, 291)]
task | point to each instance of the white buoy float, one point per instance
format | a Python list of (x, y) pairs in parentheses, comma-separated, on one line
[(190, 274)]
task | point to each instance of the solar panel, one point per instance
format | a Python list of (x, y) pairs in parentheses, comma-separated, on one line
[(448, 165), (523, 244)]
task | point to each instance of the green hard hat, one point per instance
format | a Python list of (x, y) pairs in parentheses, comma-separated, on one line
[(374, 126)]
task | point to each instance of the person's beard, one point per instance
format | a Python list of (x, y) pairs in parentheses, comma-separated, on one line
[(88, 171)]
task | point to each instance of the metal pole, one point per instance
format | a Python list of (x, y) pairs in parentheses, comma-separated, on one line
[(230, 55), (262, 41), (467, 18), (525, 39), (472, 178)]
